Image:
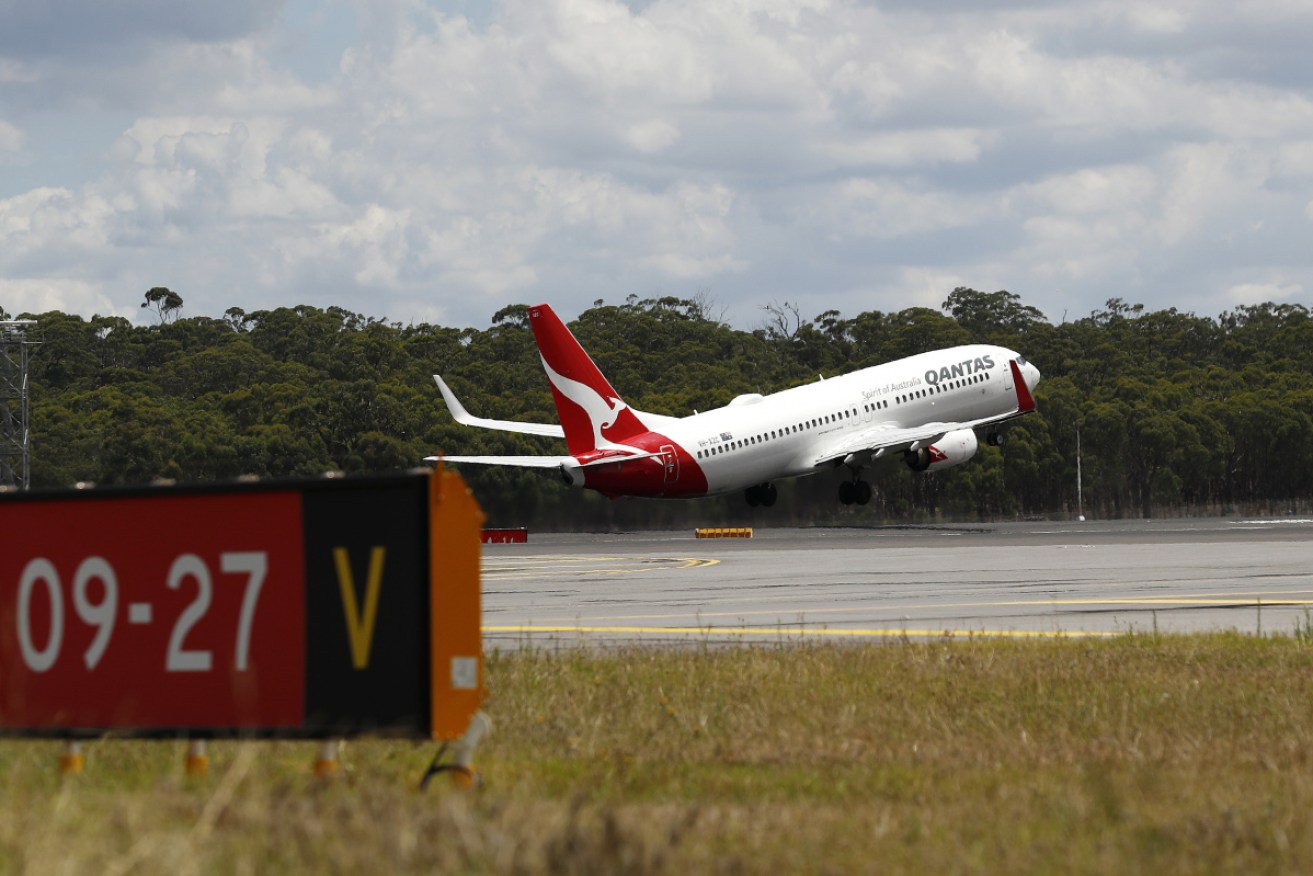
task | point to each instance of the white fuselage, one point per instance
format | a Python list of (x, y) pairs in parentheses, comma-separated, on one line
[(756, 439)]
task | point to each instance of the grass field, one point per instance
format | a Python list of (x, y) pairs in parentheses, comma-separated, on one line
[(1142, 754)]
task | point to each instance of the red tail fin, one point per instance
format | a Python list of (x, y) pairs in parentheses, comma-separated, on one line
[(591, 411)]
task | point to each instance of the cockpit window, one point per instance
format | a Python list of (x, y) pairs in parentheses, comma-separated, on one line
[(1021, 360)]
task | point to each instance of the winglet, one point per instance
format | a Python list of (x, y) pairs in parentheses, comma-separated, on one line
[(458, 412), (1025, 401), (465, 418)]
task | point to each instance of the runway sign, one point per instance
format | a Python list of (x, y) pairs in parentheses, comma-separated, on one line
[(306, 608)]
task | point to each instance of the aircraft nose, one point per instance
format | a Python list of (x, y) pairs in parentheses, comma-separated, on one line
[(1029, 372), (1031, 375)]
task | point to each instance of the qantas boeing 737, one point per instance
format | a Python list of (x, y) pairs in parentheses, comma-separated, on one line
[(925, 408)]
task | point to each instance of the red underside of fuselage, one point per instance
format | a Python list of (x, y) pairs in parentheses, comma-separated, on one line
[(673, 474)]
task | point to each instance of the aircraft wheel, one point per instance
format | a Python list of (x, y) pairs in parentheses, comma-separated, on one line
[(861, 492), (847, 492), (768, 495), (753, 495), (994, 439)]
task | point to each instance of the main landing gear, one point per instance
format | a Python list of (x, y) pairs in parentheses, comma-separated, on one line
[(994, 439), (856, 491), (762, 494)]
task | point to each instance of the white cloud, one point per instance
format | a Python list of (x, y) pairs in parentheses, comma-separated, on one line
[(13, 72), (1205, 184), (65, 294), (80, 27), (1057, 93), (1103, 190), (889, 209), (928, 287), (570, 150), (1258, 293), (375, 243), (34, 223), (911, 148), (1157, 18), (11, 138), (651, 136)]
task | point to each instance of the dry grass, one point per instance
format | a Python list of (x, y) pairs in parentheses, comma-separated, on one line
[(1138, 755)]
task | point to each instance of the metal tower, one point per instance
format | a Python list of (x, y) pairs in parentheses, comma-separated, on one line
[(15, 461)]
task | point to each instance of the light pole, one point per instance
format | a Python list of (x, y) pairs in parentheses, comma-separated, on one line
[(1080, 501)]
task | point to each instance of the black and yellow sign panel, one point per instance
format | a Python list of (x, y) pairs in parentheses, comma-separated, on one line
[(367, 607)]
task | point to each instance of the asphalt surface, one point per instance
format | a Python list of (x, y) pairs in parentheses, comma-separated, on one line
[(1093, 578)]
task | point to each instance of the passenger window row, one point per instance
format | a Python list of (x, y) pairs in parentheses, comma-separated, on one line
[(774, 434), (938, 388), (870, 407)]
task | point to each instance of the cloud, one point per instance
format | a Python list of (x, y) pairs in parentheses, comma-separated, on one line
[(1261, 292), (651, 136), (39, 227), (833, 152), (146, 56), (11, 138), (64, 294), (65, 29), (910, 148)]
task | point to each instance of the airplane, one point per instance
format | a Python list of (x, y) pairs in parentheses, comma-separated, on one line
[(926, 408)]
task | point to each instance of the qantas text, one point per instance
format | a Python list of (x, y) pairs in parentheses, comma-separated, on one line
[(961, 369)]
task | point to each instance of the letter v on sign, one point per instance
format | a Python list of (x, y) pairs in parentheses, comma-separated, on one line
[(360, 630)]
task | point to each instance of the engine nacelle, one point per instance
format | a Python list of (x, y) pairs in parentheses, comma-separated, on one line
[(953, 449), (573, 474)]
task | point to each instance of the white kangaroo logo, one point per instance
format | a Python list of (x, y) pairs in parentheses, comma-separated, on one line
[(602, 412)]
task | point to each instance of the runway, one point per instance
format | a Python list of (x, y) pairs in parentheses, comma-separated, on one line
[(1013, 579)]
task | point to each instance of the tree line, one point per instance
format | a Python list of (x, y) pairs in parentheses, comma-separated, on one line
[(1173, 413)]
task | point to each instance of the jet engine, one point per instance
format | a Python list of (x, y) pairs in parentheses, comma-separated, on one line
[(572, 473), (953, 449)]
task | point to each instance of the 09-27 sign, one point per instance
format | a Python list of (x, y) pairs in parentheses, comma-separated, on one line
[(306, 608)]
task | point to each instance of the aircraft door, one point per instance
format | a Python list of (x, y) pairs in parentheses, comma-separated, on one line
[(670, 460)]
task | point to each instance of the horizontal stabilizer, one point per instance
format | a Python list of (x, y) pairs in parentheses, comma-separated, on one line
[(544, 461), (617, 459), (520, 461)]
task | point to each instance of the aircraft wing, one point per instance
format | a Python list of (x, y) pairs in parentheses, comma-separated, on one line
[(465, 418), (873, 443)]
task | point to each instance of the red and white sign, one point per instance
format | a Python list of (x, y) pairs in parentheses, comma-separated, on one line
[(180, 611)]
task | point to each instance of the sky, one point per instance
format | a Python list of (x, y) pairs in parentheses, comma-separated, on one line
[(437, 161)]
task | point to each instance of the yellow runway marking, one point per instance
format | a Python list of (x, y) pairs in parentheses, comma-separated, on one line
[(788, 632), (1238, 602), (1166, 600)]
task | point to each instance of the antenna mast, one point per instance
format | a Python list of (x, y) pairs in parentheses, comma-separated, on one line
[(15, 450)]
